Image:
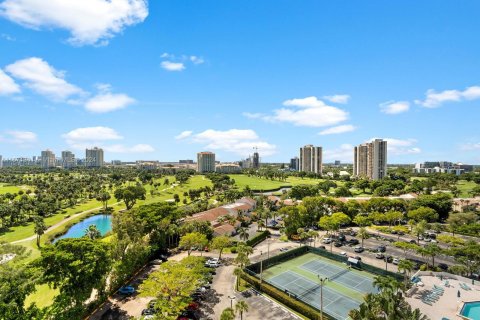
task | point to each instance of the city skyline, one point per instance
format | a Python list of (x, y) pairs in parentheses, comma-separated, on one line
[(143, 85)]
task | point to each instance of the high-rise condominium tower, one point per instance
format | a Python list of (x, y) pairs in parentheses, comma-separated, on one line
[(94, 158), (68, 159), (48, 159), (205, 162), (311, 159), (370, 160)]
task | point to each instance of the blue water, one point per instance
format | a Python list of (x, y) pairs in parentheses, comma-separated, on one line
[(102, 221), (471, 310)]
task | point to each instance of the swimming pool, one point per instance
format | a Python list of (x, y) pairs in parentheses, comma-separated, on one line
[(471, 310)]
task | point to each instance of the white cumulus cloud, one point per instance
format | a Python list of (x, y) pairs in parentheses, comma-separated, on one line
[(395, 107), (82, 138), (237, 141), (434, 99), (184, 135), (7, 85), (107, 102), (338, 98), (172, 66), (308, 112), (88, 21), (342, 153), (42, 78), (338, 129), (19, 137)]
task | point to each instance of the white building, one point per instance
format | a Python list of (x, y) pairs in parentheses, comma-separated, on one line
[(370, 160), (205, 162), (48, 159), (310, 159), (94, 158)]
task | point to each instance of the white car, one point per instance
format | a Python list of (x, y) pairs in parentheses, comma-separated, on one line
[(343, 253), (327, 240), (395, 261)]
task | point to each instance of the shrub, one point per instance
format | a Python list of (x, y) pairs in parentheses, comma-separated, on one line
[(233, 249), (258, 238)]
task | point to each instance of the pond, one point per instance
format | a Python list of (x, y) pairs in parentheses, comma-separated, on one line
[(103, 222)]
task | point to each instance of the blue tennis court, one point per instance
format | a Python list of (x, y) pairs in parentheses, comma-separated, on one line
[(344, 276), (334, 303)]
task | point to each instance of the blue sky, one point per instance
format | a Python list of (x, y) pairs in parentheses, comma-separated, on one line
[(167, 79)]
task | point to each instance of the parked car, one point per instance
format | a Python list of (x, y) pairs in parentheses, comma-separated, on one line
[(322, 247), (126, 290), (189, 315), (359, 249), (395, 261), (343, 253), (148, 312), (327, 240), (353, 242), (341, 237), (358, 258), (443, 266), (413, 241), (213, 264), (338, 244), (353, 233), (381, 248), (155, 262), (389, 259), (379, 255), (151, 304)]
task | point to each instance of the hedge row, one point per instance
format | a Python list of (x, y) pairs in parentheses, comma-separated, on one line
[(282, 297), (258, 238)]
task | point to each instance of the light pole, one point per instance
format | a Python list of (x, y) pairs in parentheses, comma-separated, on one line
[(261, 268), (322, 282), (231, 301), (268, 247)]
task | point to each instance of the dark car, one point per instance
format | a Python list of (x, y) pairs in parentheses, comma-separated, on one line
[(358, 258), (338, 244), (381, 248), (358, 249), (353, 242), (413, 241), (322, 247), (443, 266), (189, 315), (341, 237), (148, 312), (389, 259)]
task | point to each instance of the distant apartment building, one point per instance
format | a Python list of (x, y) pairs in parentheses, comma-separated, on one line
[(310, 159), (428, 167), (228, 168), (48, 159), (294, 164), (337, 163), (68, 160), (370, 160), (1, 162), (205, 162), (252, 162), (94, 158), (256, 160), (188, 161)]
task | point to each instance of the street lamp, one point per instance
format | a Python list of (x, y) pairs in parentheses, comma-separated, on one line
[(268, 247), (231, 301), (261, 267), (322, 282)]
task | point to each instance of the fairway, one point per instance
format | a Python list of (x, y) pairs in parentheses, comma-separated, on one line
[(343, 291)]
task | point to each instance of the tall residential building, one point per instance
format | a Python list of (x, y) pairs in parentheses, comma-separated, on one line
[(256, 160), (370, 160), (94, 158), (68, 159), (48, 159), (311, 159), (205, 162), (1, 162), (294, 163)]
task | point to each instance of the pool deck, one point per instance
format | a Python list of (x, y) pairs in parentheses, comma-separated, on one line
[(448, 305)]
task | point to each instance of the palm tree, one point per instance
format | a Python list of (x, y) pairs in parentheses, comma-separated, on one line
[(39, 228), (406, 266), (363, 234), (432, 250), (419, 229), (260, 225), (238, 272), (227, 314), (243, 233), (240, 308), (92, 232)]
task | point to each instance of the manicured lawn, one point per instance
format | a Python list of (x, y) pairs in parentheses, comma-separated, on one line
[(7, 188), (465, 187), (255, 183)]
